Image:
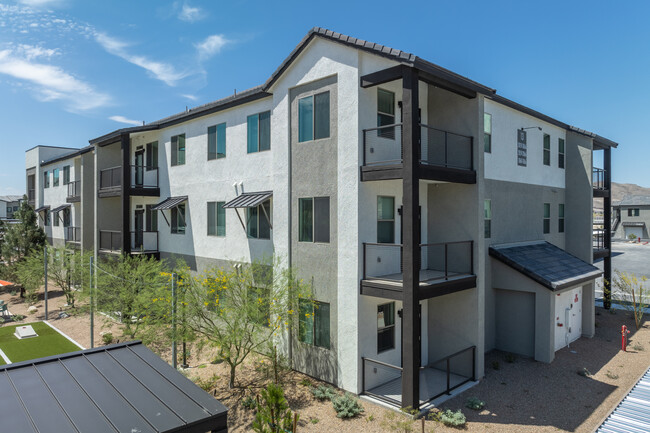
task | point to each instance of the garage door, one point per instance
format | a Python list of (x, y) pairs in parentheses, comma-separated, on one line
[(636, 231), (568, 317), (515, 322)]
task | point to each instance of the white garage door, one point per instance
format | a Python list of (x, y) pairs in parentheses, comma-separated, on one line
[(636, 231), (568, 317)]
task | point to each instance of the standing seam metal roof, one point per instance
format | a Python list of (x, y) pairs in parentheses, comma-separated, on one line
[(248, 199), (170, 202), (633, 413)]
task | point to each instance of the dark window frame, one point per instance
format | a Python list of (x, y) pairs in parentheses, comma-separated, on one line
[(55, 177), (547, 218), (214, 142), (308, 311), (261, 221), (176, 151), (391, 221), (316, 204), (560, 218), (66, 174), (487, 134), (151, 155), (547, 150), (314, 116), (215, 214), (487, 218), (261, 116), (384, 116), (561, 152), (387, 329), (46, 179), (178, 225)]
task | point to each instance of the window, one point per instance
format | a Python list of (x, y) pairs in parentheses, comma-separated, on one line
[(314, 117), (560, 220), (487, 133), (385, 327), (55, 177), (487, 217), (560, 152), (151, 218), (66, 217), (66, 175), (217, 141), (314, 323), (385, 113), (216, 218), (547, 149), (633, 212), (178, 219), (48, 217), (152, 155), (385, 220), (178, 150), (259, 132), (56, 219), (314, 219), (547, 218), (46, 179), (257, 221)]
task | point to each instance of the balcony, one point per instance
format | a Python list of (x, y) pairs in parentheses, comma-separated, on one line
[(74, 192), (110, 182), (444, 155), (598, 181), (73, 236), (143, 242), (444, 268), (144, 181), (598, 243), (31, 197), (110, 241)]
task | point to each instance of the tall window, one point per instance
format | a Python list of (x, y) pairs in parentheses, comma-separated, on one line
[(151, 219), (178, 219), (314, 219), (55, 177), (547, 218), (560, 220), (547, 149), (487, 217), (66, 175), (560, 152), (66, 217), (314, 323), (385, 327), (178, 149), (48, 217), (216, 218), (257, 221), (385, 220), (152, 155), (314, 117), (56, 219), (487, 133), (385, 113), (46, 179), (633, 212), (217, 141), (259, 132)]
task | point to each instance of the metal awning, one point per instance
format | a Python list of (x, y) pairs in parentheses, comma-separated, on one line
[(60, 208), (633, 224), (117, 388), (170, 202), (42, 208), (248, 199)]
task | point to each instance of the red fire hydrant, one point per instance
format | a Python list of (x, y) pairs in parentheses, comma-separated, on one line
[(624, 333)]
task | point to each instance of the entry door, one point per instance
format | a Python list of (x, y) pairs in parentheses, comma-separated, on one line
[(139, 167), (139, 228), (401, 345)]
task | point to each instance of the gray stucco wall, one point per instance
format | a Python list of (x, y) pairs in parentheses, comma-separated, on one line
[(644, 217), (86, 220), (196, 263), (579, 197), (515, 321), (314, 174)]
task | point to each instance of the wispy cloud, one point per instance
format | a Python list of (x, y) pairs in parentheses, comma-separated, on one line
[(210, 46), (50, 82), (42, 3), (159, 70), (189, 13), (122, 119), (190, 97)]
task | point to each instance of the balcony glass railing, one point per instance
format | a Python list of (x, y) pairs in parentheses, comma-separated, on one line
[(144, 177), (143, 241)]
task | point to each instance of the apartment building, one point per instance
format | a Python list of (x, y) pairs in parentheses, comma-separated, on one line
[(8, 205), (631, 218), (435, 219), (55, 190)]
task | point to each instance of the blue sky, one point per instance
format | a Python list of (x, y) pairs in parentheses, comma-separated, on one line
[(72, 70)]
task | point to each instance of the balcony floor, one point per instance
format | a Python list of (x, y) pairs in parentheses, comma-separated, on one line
[(427, 276), (432, 284)]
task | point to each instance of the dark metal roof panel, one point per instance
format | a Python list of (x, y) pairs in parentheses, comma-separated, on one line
[(60, 208), (12, 412), (68, 155), (170, 202), (41, 209), (634, 200), (249, 199), (633, 224), (548, 265)]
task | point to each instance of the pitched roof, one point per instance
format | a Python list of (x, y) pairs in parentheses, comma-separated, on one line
[(634, 200), (117, 388), (548, 265), (10, 198), (68, 155)]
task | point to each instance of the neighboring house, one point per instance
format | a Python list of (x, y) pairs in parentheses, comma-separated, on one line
[(8, 205), (435, 219), (631, 218), (55, 190)]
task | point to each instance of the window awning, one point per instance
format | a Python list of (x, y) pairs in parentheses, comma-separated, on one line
[(60, 208), (170, 202), (42, 208), (633, 224), (546, 264), (248, 199)]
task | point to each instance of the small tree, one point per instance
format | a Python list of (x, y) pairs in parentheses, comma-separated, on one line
[(30, 273), (634, 294), (22, 237), (243, 309), (273, 413), (67, 269)]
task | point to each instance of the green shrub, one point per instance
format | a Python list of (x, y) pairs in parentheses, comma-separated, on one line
[(453, 419), (305, 382), (107, 338), (474, 403), (346, 406), (324, 392), (249, 403), (273, 415)]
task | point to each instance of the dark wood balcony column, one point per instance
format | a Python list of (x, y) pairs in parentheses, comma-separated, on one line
[(124, 191), (411, 240), (607, 241)]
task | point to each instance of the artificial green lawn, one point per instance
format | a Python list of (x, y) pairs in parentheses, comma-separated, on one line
[(49, 342)]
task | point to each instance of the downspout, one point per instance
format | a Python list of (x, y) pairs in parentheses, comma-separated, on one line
[(289, 231)]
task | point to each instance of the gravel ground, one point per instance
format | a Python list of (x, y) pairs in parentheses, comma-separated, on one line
[(520, 396)]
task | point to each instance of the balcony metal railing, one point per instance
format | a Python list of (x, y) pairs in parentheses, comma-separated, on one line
[(31, 195), (110, 177), (73, 234), (438, 261), (446, 149), (377, 375), (598, 239), (144, 176), (143, 241), (110, 240), (382, 145), (598, 178), (74, 189)]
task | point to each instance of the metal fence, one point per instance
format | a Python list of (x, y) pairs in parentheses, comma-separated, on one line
[(446, 149), (598, 178)]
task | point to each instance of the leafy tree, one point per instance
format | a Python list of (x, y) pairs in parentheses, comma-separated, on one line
[(634, 293), (30, 273), (68, 269), (22, 237)]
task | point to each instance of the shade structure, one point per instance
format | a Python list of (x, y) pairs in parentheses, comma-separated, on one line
[(249, 199), (60, 208), (170, 202), (118, 388), (41, 209)]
